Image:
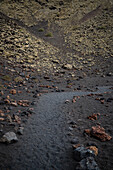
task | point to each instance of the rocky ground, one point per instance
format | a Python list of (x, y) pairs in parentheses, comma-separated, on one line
[(59, 46)]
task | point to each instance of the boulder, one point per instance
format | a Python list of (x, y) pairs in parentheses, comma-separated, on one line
[(87, 164), (81, 153)]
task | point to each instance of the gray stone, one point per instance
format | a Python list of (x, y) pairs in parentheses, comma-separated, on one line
[(67, 66), (70, 128), (87, 164), (75, 140), (81, 153), (72, 122), (109, 74), (9, 137), (20, 130), (22, 74)]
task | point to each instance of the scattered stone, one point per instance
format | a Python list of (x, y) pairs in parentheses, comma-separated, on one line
[(22, 74), (72, 122), (33, 78), (44, 91), (92, 144), (67, 101), (109, 74), (13, 91), (75, 140), (81, 153), (24, 113), (102, 101), (17, 119), (46, 77), (99, 133), (14, 104), (9, 118), (110, 99), (67, 66), (70, 134), (76, 146), (52, 8), (74, 126), (20, 130), (1, 93), (33, 103), (55, 61), (70, 128), (1, 112), (87, 163), (93, 116), (9, 137), (7, 101), (30, 110), (24, 103), (2, 119), (74, 100), (93, 148)]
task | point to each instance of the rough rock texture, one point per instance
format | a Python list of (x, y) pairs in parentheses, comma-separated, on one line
[(93, 148), (9, 137), (99, 133), (81, 153), (87, 164)]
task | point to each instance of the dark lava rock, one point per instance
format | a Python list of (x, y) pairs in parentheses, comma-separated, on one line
[(87, 164), (75, 140), (33, 77), (72, 122), (109, 74), (20, 130), (52, 7), (92, 144), (2, 102), (61, 3), (22, 74), (33, 103), (24, 113), (81, 153), (29, 110), (110, 99), (10, 108)]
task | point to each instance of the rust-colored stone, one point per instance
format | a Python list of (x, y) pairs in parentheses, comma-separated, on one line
[(24, 103), (76, 146), (93, 116), (99, 132), (7, 101), (2, 119), (1, 111), (93, 148), (87, 131), (13, 91)]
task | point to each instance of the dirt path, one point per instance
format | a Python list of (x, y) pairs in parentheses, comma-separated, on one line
[(45, 143)]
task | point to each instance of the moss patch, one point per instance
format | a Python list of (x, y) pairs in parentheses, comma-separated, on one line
[(41, 30), (6, 78), (49, 34)]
